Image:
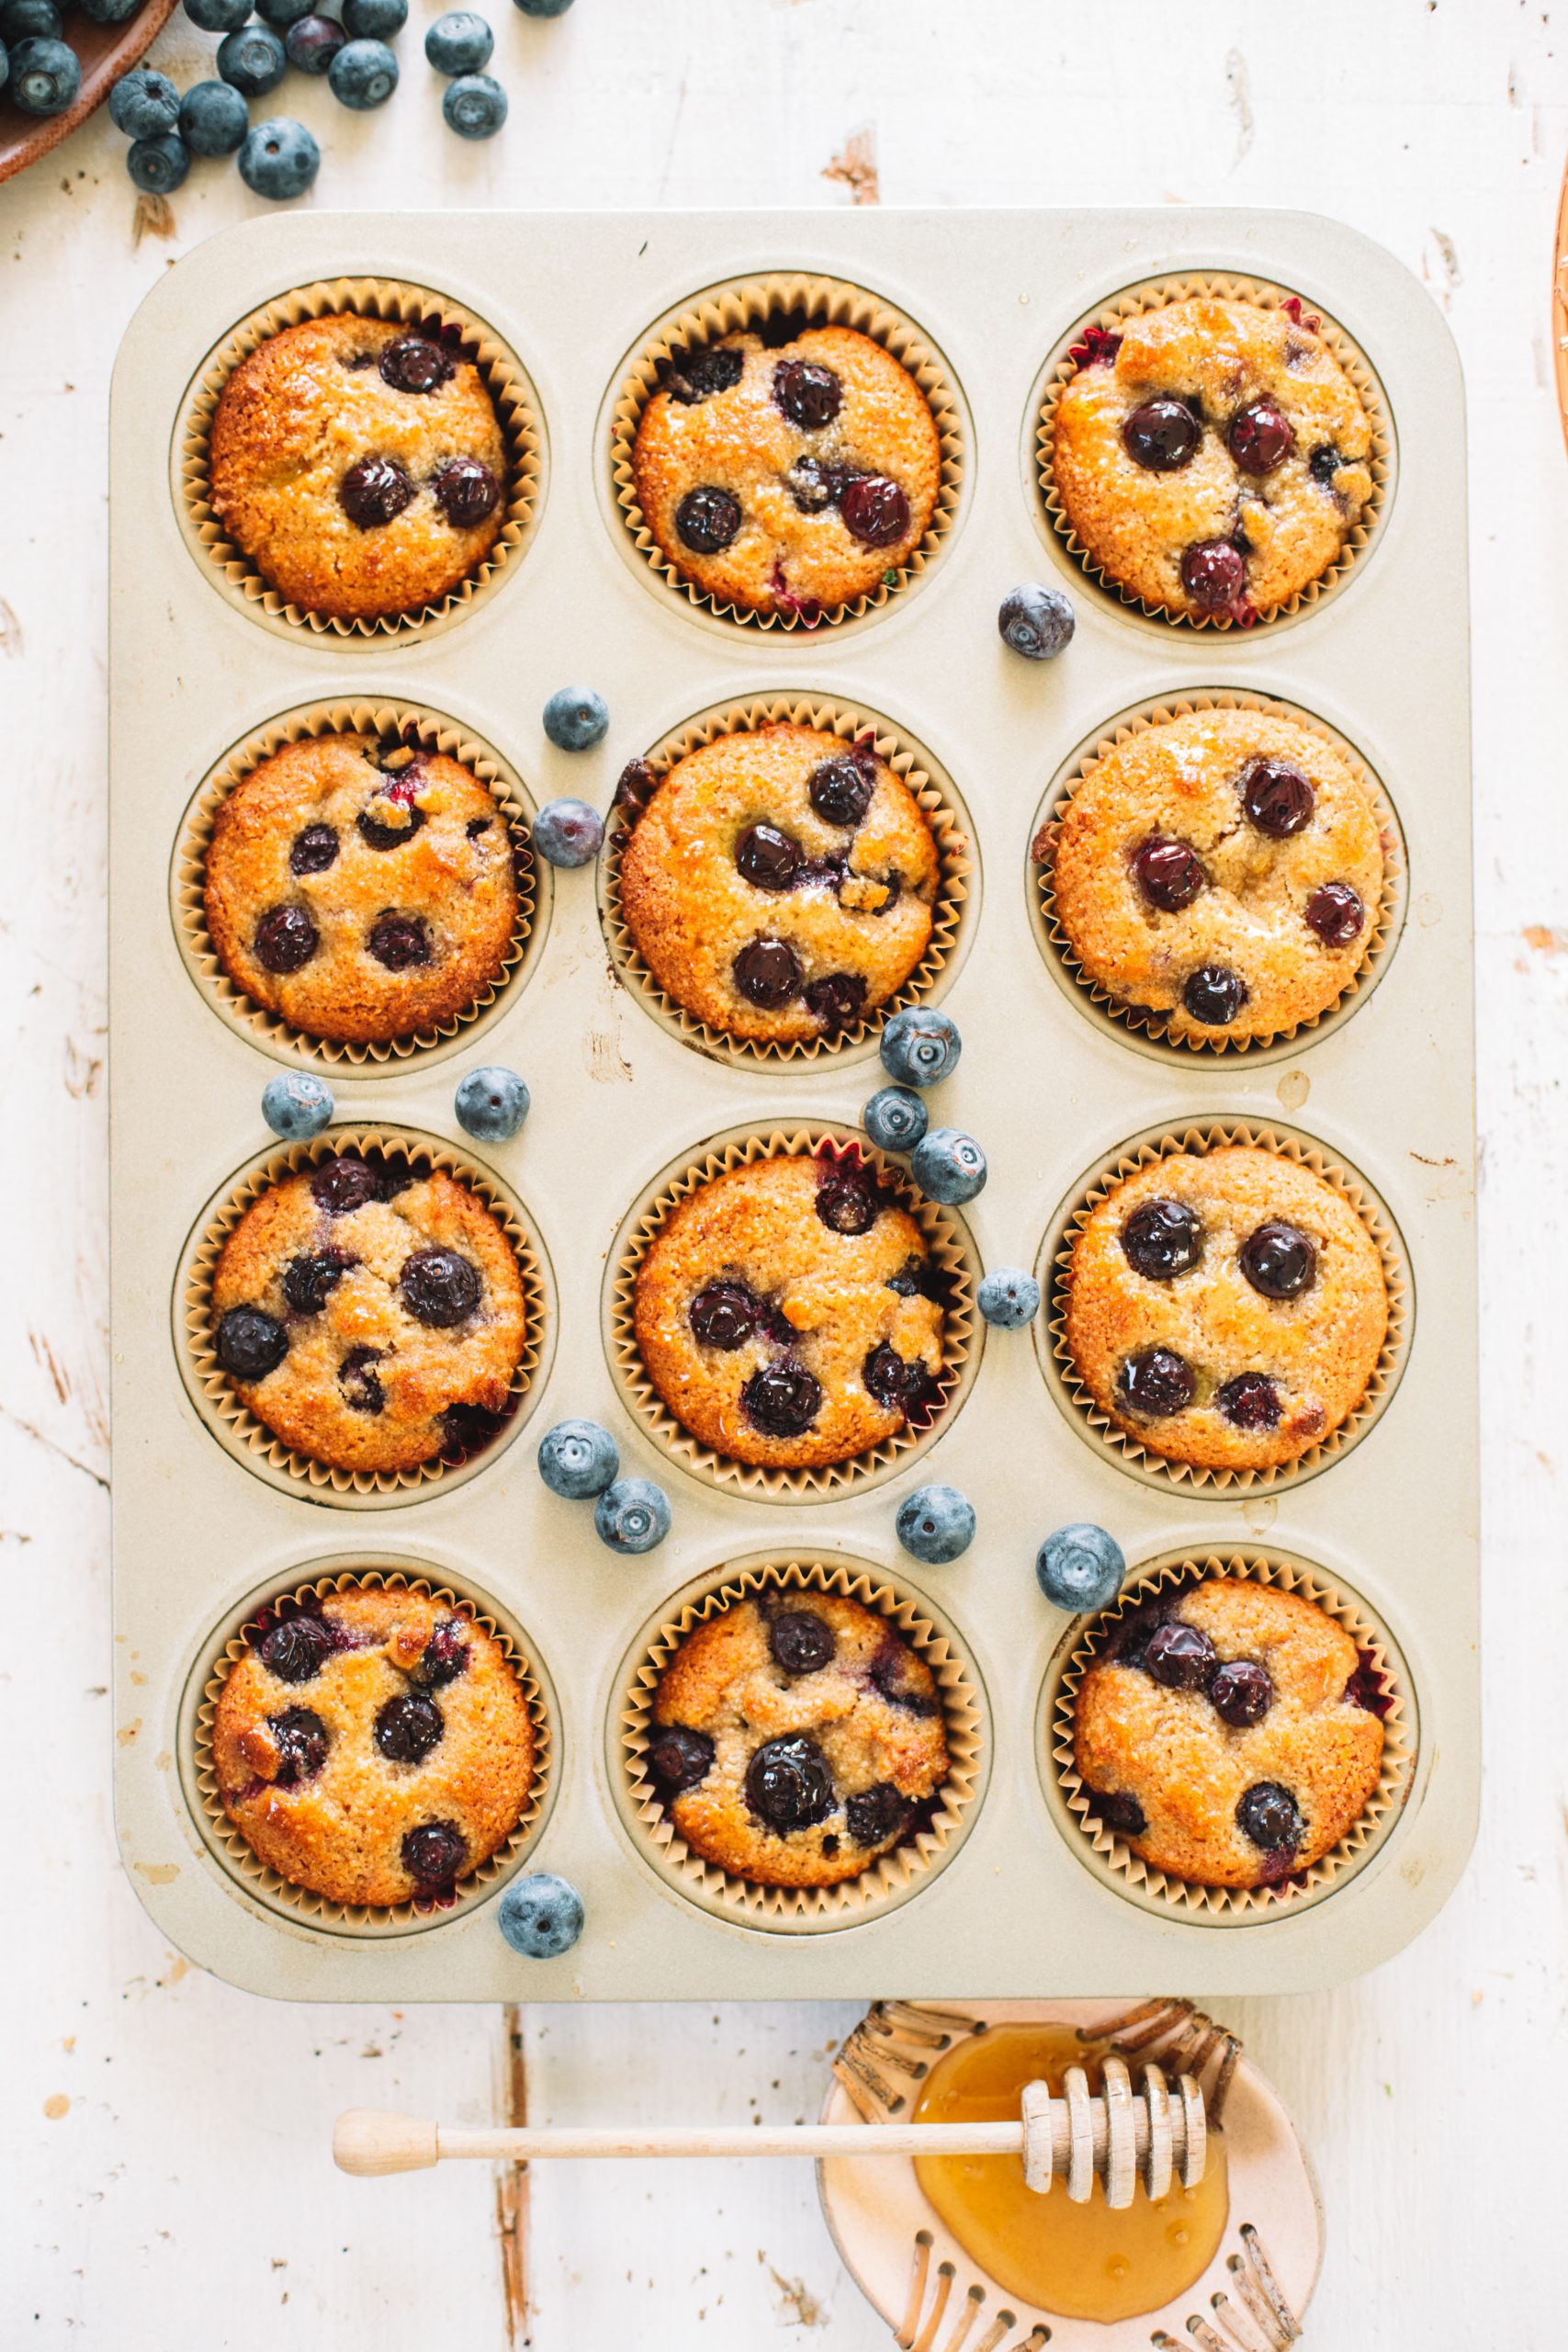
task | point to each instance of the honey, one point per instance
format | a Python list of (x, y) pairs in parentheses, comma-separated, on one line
[(1079, 2261)]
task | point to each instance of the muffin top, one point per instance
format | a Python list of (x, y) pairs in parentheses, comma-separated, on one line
[(789, 1314), (789, 478), (1231, 1735), (373, 1747), (359, 466), (372, 1318), (779, 884), (363, 890), (795, 1737), (1213, 457), (1225, 1309), (1225, 869)]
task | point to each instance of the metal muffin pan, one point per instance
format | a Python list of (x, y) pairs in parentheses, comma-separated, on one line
[(1052, 1089)]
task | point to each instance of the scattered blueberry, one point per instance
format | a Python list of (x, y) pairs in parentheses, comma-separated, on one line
[(1009, 1298), (362, 74), (214, 120), (540, 1915), (460, 43), (159, 165), (23, 20), (296, 1106), (920, 1047), (311, 44), (1036, 621), (577, 1460), (894, 1119), (218, 16), (568, 832), (542, 7), (935, 1524), (475, 106), (374, 19), (1080, 1568), (949, 1166), (575, 718), (145, 105), (281, 13), (491, 1103), (632, 1516), (252, 60), (107, 12), (45, 76)]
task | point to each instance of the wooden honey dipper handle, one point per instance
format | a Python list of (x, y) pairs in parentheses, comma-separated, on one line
[(1117, 2132)]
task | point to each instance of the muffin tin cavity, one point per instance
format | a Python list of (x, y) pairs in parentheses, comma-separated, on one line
[(1390, 1692)]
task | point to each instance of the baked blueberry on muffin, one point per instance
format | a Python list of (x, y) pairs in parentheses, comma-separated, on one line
[(788, 477), (779, 884), (363, 890), (374, 1746), (359, 466), (1212, 458), (795, 1738), (1231, 1735), (1225, 1309), (789, 1314), (372, 1317), (1223, 870)]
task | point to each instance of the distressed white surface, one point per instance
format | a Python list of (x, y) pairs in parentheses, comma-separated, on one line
[(185, 2195)]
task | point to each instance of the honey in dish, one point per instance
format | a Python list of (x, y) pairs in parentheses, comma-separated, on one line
[(1079, 2261)]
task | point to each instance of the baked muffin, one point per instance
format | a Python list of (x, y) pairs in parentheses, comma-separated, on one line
[(795, 1738), (789, 1314), (787, 478), (1225, 870), (373, 1747), (1231, 1735), (363, 890), (1226, 1308), (780, 883), (371, 1316), (359, 466), (1213, 457)]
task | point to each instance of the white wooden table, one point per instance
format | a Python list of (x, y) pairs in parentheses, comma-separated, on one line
[(169, 2135)]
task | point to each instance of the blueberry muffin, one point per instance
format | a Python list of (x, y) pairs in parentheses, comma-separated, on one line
[(372, 1317), (795, 1738), (1225, 1309), (1223, 870), (363, 890), (359, 467), (787, 478), (1231, 1735), (373, 1747), (789, 1314), (779, 884), (1213, 457)]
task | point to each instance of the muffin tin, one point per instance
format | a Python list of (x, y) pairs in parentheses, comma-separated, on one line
[(626, 1100)]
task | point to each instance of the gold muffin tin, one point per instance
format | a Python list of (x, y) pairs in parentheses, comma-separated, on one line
[(206, 1525)]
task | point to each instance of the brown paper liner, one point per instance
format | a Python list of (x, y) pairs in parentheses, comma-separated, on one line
[(516, 408), (237, 1428), (413, 722), (895, 1877), (827, 302), (258, 1879), (1053, 1272), (1114, 1858), (951, 829), (1155, 293), (963, 1336), (1382, 934)]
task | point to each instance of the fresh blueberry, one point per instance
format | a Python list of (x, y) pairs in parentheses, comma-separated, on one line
[(281, 13), (460, 43), (475, 106), (45, 76), (311, 44), (374, 19), (540, 1915), (218, 16), (568, 832), (23, 20), (1037, 622), (1080, 1568), (214, 118), (296, 1106), (159, 165), (920, 1047), (252, 60), (949, 1166), (894, 1119), (362, 74), (145, 105), (542, 7), (491, 1103), (577, 1460), (935, 1524), (575, 718), (1009, 1298), (633, 1515)]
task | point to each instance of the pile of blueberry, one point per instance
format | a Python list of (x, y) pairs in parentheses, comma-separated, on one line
[(37, 62), (580, 1461)]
